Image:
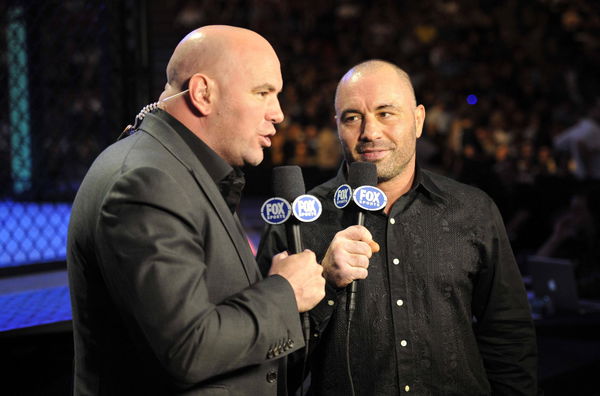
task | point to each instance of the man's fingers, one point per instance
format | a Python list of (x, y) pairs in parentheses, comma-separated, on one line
[(360, 233), (357, 233), (279, 256), (359, 261), (366, 248), (360, 273)]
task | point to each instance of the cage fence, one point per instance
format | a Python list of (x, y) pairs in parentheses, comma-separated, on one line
[(61, 74)]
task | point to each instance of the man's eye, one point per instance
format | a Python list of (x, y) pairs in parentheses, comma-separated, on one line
[(350, 118), (263, 93), (384, 114)]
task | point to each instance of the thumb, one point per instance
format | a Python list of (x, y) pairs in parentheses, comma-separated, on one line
[(374, 246)]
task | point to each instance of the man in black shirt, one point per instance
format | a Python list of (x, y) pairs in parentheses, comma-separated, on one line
[(441, 307)]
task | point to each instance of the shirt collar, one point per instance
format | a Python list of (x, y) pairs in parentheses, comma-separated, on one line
[(230, 180), (217, 167), (428, 185)]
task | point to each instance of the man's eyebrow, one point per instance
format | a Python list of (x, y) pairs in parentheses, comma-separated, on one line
[(347, 111), (265, 87), (385, 106)]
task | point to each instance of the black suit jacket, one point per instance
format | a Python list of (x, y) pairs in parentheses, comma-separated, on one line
[(166, 294)]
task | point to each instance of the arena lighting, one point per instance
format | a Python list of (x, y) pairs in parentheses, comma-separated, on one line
[(472, 99), (18, 94)]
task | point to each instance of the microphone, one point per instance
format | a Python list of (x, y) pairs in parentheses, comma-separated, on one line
[(362, 179), (362, 174), (288, 186)]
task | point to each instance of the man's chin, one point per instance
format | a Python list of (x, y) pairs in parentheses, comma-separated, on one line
[(254, 160)]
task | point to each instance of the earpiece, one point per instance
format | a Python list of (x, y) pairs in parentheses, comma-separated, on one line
[(145, 110)]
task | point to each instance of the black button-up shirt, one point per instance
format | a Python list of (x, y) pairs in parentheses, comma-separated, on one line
[(443, 310)]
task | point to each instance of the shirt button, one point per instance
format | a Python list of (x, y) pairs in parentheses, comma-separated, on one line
[(396, 261), (392, 221), (407, 388), (271, 376), (403, 343), (399, 303), (330, 302)]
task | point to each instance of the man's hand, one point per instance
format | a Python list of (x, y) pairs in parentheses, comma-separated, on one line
[(348, 255), (305, 276)]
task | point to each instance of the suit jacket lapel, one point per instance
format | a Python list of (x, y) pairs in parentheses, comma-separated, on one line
[(171, 140)]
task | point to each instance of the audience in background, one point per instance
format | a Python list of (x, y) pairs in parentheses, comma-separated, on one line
[(582, 142), (504, 82)]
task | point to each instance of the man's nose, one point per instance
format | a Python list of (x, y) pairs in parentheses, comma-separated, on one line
[(275, 114), (370, 129)]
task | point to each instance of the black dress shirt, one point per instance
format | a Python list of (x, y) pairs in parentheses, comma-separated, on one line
[(229, 180), (443, 310)]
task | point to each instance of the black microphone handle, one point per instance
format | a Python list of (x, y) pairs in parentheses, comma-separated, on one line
[(294, 238), (360, 219), (352, 290)]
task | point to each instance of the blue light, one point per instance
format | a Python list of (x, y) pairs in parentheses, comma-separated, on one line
[(472, 99), (34, 307), (24, 239)]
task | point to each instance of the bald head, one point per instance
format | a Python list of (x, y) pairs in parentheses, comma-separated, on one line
[(210, 50), (369, 68), (222, 84)]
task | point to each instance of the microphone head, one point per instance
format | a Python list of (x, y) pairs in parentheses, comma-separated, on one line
[(362, 174), (288, 182)]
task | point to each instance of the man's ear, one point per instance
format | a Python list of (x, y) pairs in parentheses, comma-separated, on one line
[(419, 119), (200, 93)]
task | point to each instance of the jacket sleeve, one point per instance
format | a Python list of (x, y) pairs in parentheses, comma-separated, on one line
[(504, 327), (154, 262)]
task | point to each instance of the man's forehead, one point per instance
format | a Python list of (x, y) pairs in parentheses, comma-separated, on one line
[(375, 97), (373, 90), (259, 68)]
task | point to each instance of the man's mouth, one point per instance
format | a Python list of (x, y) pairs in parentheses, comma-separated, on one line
[(372, 153), (265, 141)]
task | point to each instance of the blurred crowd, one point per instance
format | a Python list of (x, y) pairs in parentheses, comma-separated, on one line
[(510, 89)]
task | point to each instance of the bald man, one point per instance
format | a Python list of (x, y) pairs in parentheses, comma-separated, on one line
[(167, 297), (440, 308)]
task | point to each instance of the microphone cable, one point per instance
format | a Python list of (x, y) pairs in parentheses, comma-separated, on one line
[(348, 365)]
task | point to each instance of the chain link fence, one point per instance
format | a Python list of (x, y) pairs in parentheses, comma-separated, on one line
[(64, 92)]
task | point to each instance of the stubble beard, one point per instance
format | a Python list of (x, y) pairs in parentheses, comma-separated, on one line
[(387, 168), (390, 168)]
